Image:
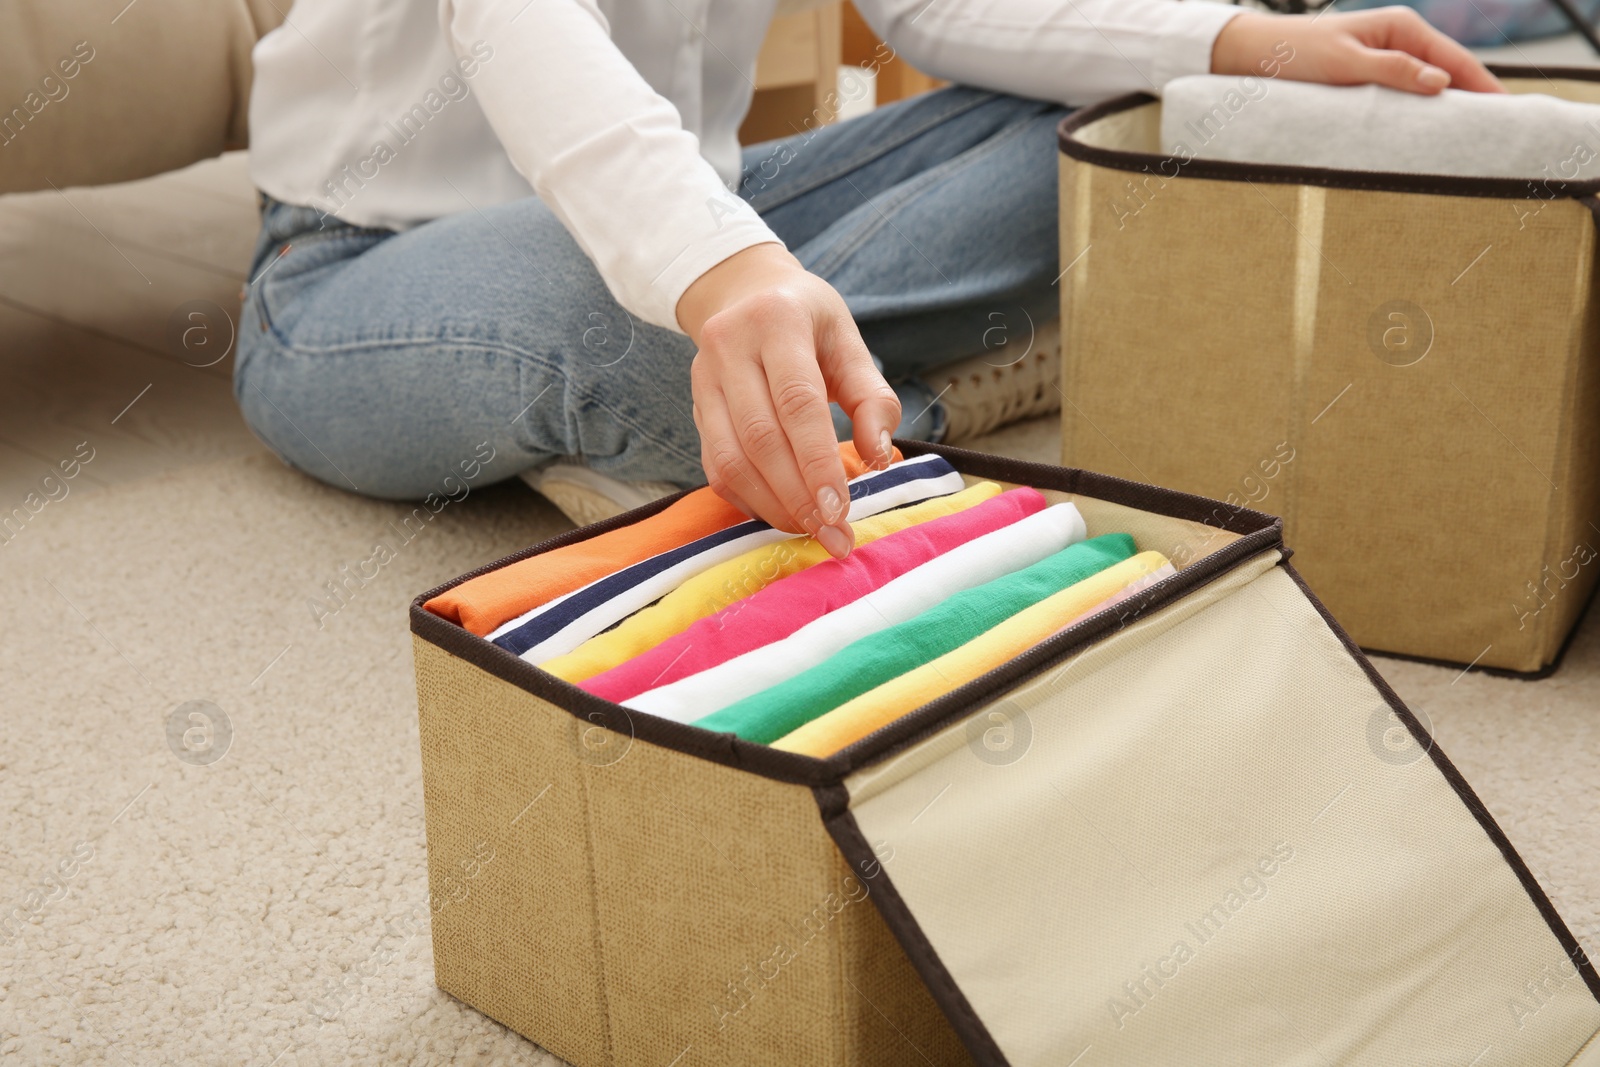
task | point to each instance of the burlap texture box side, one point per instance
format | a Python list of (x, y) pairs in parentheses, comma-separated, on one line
[(1407, 377), (620, 903)]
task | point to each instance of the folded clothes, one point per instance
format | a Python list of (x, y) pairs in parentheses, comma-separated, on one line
[(628, 649), (556, 628), (1368, 127), (729, 583), (783, 607), (981, 560), (487, 601), (889, 653), (882, 705)]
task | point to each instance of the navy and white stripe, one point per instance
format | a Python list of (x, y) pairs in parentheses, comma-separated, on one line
[(556, 628)]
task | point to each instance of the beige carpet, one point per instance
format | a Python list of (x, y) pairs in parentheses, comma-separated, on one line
[(269, 908)]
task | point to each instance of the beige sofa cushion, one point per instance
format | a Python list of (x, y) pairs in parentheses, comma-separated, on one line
[(106, 90)]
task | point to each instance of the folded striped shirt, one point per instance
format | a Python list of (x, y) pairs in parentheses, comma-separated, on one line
[(484, 603), (561, 625), (980, 560), (783, 607)]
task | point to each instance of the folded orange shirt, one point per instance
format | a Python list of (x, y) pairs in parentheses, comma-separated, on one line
[(483, 603)]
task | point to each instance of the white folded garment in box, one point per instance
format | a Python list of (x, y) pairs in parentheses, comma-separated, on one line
[(1369, 127)]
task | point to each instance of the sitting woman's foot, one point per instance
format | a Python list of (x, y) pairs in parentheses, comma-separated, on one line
[(1019, 380), (585, 495)]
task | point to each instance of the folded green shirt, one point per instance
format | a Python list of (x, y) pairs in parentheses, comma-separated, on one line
[(873, 660)]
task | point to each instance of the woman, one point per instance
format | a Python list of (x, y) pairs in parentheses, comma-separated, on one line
[(505, 228)]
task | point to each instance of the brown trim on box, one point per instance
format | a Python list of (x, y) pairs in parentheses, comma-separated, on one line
[(1532, 70), (980, 464), (1464, 791), (1260, 532), (1524, 70), (1169, 502), (1168, 167), (834, 803)]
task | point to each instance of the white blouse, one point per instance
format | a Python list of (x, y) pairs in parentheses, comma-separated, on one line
[(622, 116)]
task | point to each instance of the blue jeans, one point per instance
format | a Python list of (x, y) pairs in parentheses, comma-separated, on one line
[(382, 362)]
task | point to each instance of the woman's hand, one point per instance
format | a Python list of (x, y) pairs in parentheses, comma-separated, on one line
[(1391, 46), (776, 344)]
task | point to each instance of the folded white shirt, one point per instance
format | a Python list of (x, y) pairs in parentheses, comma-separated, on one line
[(983, 559), (1371, 128)]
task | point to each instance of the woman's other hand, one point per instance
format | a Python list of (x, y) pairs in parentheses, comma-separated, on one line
[(1391, 46)]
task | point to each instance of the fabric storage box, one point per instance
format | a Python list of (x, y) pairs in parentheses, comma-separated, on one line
[(1198, 828), (1403, 366)]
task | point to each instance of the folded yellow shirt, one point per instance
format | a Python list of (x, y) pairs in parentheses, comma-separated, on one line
[(878, 707), (714, 589)]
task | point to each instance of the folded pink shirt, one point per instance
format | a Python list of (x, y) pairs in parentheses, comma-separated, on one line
[(783, 607)]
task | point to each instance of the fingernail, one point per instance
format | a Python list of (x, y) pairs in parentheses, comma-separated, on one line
[(1432, 78), (828, 503), (834, 540), (885, 447)]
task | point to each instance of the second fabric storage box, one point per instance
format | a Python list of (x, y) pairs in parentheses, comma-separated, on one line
[(1406, 367), (1196, 828)]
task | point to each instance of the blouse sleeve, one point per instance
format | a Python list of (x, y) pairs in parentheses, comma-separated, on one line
[(601, 148)]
